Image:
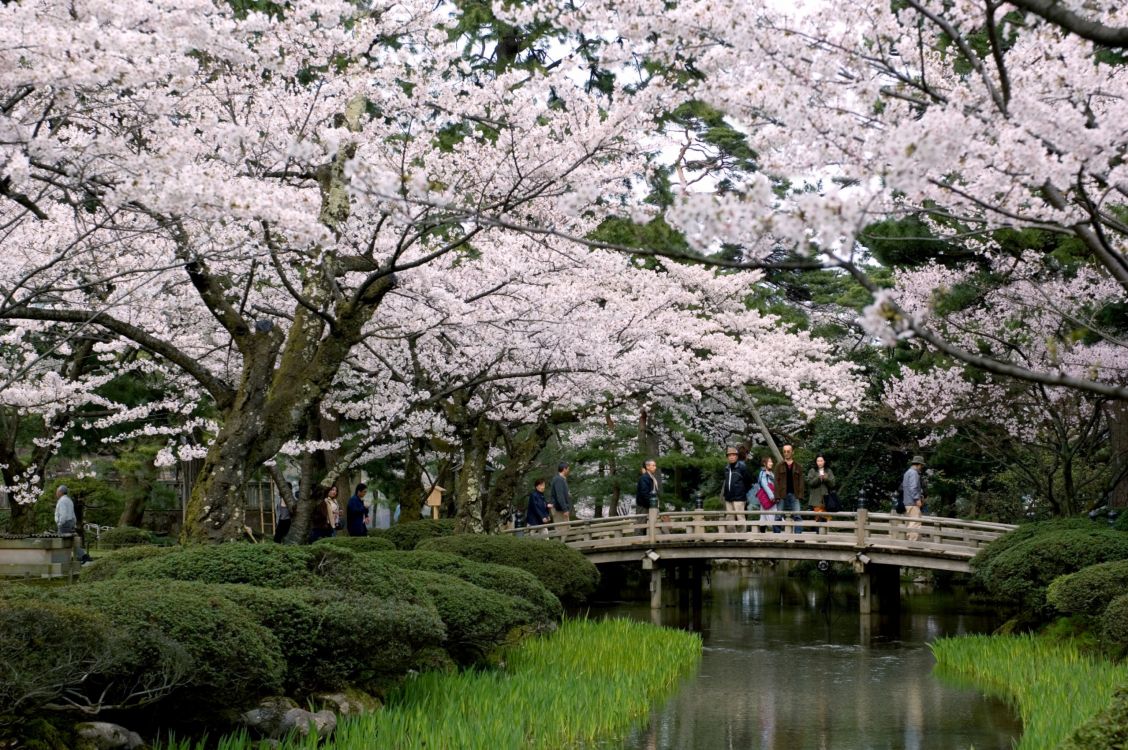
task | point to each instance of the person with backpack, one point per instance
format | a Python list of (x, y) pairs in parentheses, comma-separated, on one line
[(737, 484)]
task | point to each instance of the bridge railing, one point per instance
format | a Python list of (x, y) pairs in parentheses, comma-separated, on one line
[(861, 530)]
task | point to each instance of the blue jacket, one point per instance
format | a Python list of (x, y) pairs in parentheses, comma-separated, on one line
[(738, 481), (537, 512), (646, 492), (355, 512)]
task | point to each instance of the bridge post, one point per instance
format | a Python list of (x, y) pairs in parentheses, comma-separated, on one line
[(652, 525), (860, 528), (656, 587)]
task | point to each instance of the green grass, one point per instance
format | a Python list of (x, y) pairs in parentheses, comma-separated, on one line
[(1055, 687), (588, 682)]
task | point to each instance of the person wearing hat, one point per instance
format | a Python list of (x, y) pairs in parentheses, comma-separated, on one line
[(912, 491), (738, 483), (67, 522)]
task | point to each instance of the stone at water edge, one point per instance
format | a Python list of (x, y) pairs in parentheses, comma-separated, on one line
[(348, 703), (267, 719), (101, 735), (302, 722)]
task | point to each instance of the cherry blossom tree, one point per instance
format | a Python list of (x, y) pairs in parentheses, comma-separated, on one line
[(332, 207)]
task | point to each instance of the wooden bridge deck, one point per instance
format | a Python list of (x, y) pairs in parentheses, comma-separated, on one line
[(862, 538)]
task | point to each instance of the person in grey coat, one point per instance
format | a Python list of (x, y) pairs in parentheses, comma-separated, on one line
[(67, 522), (912, 493), (559, 499)]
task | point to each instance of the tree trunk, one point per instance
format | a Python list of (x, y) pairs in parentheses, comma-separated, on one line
[(475, 513), (412, 492), (508, 487), (1117, 415)]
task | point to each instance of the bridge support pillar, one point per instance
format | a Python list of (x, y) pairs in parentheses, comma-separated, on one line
[(879, 589), (656, 587)]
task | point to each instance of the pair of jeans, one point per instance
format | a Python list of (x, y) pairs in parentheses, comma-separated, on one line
[(791, 503)]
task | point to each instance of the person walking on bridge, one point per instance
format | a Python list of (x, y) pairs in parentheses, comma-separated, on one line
[(738, 483), (560, 500), (536, 513), (646, 491), (912, 494), (789, 486)]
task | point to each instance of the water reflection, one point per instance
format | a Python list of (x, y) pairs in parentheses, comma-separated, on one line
[(790, 665)]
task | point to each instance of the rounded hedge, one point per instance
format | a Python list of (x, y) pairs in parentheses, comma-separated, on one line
[(124, 536), (1114, 625), (331, 639), (108, 563), (564, 571), (358, 543), (1089, 590), (500, 578), (267, 565), (1018, 576), (48, 649), (477, 620), (408, 535), (1026, 532), (210, 652)]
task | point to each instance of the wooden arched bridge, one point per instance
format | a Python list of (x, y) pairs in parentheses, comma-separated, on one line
[(877, 544)]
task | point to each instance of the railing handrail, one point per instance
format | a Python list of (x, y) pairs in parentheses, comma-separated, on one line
[(861, 530)]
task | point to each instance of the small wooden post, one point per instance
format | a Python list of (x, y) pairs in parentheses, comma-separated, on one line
[(865, 594), (860, 529), (656, 587), (435, 501), (652, 525)]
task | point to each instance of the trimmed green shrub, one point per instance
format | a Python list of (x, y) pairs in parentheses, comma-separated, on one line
[(477, 620), (47, 649), (185, 640), (124, 536), (363, 573), (1108, 730), (1121, 522), (268, 565), (1026, 532), (108, 563), (1114, 626), (1089, 590), (409, 535), (500, 578), (1019, 575), (359, 543), (330, 639), (564, 571)]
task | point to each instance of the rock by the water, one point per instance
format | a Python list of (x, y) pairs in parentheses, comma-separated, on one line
[(348, 703), (101, 735), (267, 719), (303, 722)]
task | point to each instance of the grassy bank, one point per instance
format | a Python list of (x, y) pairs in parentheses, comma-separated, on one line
[(1054, 686), (589, 681)]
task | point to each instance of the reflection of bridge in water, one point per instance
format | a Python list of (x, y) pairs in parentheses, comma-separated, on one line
[(876, 544)]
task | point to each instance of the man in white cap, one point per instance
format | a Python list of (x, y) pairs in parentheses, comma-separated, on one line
[(912, 491), (66, 521)]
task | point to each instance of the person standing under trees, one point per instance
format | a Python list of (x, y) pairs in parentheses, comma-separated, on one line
[(66, 521), (334, 510), (789, 485), (356, 512), (765, 492), (738, 481), (537, 512), (912, 493), (560, 502), (320, 526), (820, 483), (646, 491), (282, 520)]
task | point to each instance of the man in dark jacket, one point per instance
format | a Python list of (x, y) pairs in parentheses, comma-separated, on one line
[(738, 480), (789, 485), (646, 493), (560, 500), (537, 512), (356, 512)]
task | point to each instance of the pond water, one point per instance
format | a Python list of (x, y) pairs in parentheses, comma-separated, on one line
[(789, 664)]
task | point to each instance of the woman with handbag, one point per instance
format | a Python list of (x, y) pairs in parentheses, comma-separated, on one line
[(765, 491), (820, 484)]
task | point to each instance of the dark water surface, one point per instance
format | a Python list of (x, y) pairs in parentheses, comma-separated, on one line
[(789, 664)]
